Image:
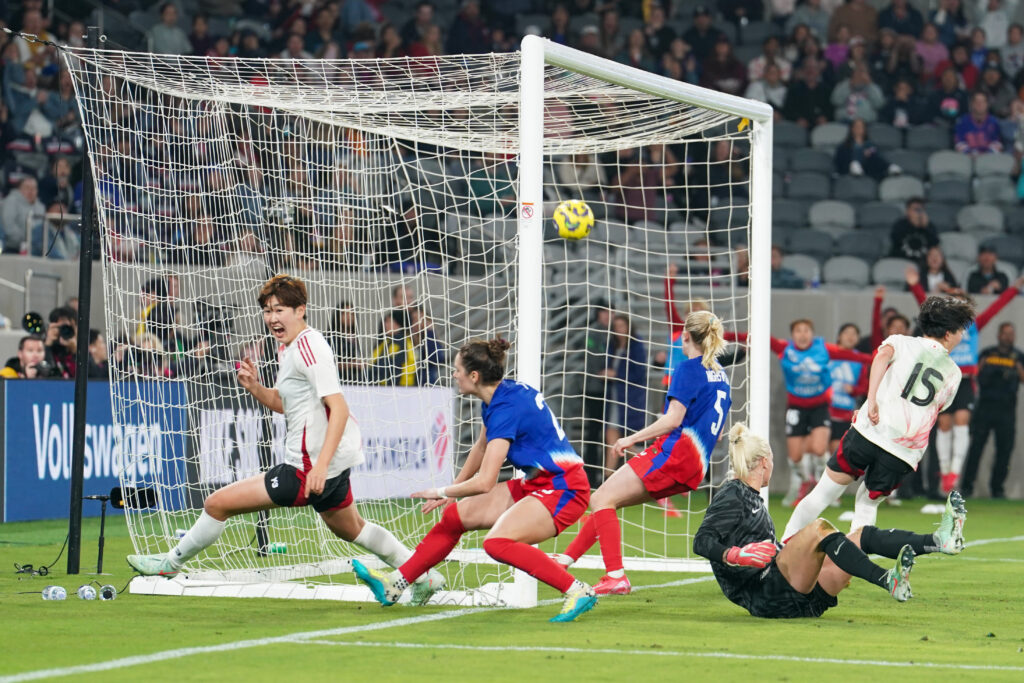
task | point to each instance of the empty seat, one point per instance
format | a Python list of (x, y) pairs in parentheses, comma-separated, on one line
[(808, 185), (900, 188), (953, 191), (847, 271), (980, 217), (755, 32), (994, 164), (959, 268), (890, 272), (913, 161), (856, 189), (811, 160), (790, 213), (778, 183), (997, 189), (943, 216), (878, 215), (789, 135), (780, 157), (1014, 220), (947, 164), (804, 266), (958, 244), (868, 245), (828, 136), (886, 136), (812, 242), (1008, 247), (928, 137), (831, 213)]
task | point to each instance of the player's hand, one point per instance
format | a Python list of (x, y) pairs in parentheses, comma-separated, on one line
[(316, 479), (1019, 282), (757, 555), (432, 505), (428, 494), (872, 408), (880, 292), (248, 377), (620, 446), (912, 275)]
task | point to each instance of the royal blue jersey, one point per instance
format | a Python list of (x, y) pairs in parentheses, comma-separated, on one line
[(676, 355), (806, 370), (517, 412), (707, 397), (965, 354)]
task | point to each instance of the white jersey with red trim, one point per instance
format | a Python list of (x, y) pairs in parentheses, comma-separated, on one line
[(921, 381), (307, 372)]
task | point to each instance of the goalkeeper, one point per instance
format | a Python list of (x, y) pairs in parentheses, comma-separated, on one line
[(804, 577), (322, 444)]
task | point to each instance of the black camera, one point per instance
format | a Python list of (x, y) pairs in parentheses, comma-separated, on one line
[(66, 332), (45, 370)]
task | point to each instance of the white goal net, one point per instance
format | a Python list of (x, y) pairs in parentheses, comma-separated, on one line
[(413, 196)]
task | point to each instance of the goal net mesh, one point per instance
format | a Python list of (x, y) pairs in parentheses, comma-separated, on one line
[(390, 188)]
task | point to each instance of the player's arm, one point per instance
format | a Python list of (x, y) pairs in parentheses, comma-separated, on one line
[(713, 539), (913, 278), (469, 468), (337, 410), (996, 306), (672, 418), (879, 366), (836, 352), (482, 481), (249, 378), (675, 321), (876, 316), (778, 345)]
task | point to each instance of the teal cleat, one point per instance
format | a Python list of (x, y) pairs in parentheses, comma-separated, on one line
[(380, 583), (577, 601), (152, 565), (424, 589), (950, 536), (897, 579)]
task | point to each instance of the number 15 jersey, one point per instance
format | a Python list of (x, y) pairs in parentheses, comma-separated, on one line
[(920, 383)]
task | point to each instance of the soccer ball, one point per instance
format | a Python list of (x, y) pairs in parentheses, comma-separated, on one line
[(574, 219)]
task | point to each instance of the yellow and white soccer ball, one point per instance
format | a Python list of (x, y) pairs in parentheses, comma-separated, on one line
[(574, 219)]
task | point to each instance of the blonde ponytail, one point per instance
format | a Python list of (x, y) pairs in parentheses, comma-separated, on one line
[(745, 449), (707, 333)]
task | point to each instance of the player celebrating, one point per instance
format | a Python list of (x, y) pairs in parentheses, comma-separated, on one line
[(518, 427), (322, 444), (911, 380), (698, 401), (849, 380), (804, 577)]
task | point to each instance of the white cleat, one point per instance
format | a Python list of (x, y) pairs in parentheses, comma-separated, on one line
[(897, 579), (950, 535), (425, 588), (152, 565)]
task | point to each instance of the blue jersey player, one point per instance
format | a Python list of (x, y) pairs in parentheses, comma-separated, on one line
[(521, 429), (698, 401)]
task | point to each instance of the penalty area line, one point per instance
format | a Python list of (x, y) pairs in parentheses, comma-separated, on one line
[(666, 653)]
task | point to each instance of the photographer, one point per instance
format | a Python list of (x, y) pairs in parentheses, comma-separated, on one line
[(98, 356), (62, 341), (913, 235), (30, 363)]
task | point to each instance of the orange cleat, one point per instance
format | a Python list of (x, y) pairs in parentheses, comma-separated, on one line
[(609, 585)]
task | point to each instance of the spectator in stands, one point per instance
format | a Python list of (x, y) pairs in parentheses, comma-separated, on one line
[(810, 49), (837, 53), (722, 71), (430, 356), (159, 315), (771, 53), (934, 274), (680, 63), (250, 47), (986, 279), (742, 267), (55, 238), (770, 88), (931, 51), (913, 235), (901, 17), (31, 52), (294, 48), (857, 155), (403, 298), (658, 34), (949, 101), (393, 361), (635, 54), (98, 356), (429, 45), (859, 17), (808, 99), (811, 14), (741, 12), (999, 91), (390, 43), (468, 34), (352, 14), (200, 38), (558, 25), (24, 97), (905, 108), (902, 63), (595, 389), (794, 42), (978, 50), (626, 400), (345, 342), (977, 132), (784, 278), (61, 107), (491, 189), (857, 97), (30, 361), (20, 207), (995, 22), (590, 40), (167, 37), (416, 27), (581, 174), (951, 21), (1013, 52), (960, 61), (62, 341), (612, 40), (641, 174), (702, 36), (57, 187)]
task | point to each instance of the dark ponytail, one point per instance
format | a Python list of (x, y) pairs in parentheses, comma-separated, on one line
[(485, 357)]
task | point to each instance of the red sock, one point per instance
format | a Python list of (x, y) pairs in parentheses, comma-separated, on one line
[(584, 540), (533, 561), (606, 522), (436, 545)]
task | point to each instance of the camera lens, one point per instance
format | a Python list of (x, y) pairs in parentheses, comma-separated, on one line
[(66, 332)]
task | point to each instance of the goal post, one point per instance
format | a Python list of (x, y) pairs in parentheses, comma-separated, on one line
[(414, 197)]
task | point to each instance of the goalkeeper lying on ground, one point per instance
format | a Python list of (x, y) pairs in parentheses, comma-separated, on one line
[(805, 576)]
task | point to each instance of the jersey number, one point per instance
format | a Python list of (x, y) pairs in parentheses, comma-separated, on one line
[(717, 425), (926, 379), (539, 400)]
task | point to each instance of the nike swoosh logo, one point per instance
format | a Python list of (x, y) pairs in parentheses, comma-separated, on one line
[(839, 547), (756, 510)]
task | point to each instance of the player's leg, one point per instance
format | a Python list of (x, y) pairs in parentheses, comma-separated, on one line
[(961, 442), (611, 435), (843, 468), (795, 452), (944, 444), (248, 495), (817, 449)]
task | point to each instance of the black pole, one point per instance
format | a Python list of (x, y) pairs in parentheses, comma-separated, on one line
[(103, 524), (82, 353)]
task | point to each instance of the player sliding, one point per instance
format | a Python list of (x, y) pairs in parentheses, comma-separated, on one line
[(805, 576), (322, 444), (518, 427), (698, 401), (911, 380)]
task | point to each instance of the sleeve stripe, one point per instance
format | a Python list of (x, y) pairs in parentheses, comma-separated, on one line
[(307, 353)]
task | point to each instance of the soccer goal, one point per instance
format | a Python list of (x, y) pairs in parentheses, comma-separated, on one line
[(413, 196)]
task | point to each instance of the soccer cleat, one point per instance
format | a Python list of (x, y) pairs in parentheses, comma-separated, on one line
[(897, 579), (577, 601), (152, 565), (950, 535), (423, 590), (805, 488), (669, 507), (609, 585), (380, 583), (949, 481)]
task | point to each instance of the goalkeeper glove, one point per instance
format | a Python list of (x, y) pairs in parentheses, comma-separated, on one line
[(757, 555)]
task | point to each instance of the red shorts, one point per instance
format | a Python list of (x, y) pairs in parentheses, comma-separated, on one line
[(566, 505), (680, 472)]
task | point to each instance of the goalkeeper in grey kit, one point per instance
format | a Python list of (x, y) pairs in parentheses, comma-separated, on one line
[(803, 578)]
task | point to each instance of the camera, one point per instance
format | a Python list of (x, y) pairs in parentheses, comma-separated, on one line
[(45, 370), (66, 332)]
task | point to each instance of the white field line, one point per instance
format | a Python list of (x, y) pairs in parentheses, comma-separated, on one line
[(987, 541), (669, 653)]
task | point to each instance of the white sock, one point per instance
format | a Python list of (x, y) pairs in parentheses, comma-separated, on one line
[(384, 545), (807, 466), (202, 535), (617, 574), (820, 462), (944, 448), (577, 585), (795, 478), (564, 560), (961, 442), (399, 581), (865, 510), (812, 505)]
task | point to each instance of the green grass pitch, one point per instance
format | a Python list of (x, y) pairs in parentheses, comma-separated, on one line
[(965, 621)]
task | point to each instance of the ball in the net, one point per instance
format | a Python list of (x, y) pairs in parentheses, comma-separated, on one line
[(574, 219)]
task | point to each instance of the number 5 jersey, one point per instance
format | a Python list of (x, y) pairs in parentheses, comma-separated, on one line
[(921, 381)]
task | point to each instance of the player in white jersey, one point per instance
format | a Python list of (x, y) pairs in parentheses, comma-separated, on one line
[(322, 444), (912, 379)]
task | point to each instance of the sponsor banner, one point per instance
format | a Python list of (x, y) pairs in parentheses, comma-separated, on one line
[(38, 419)]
